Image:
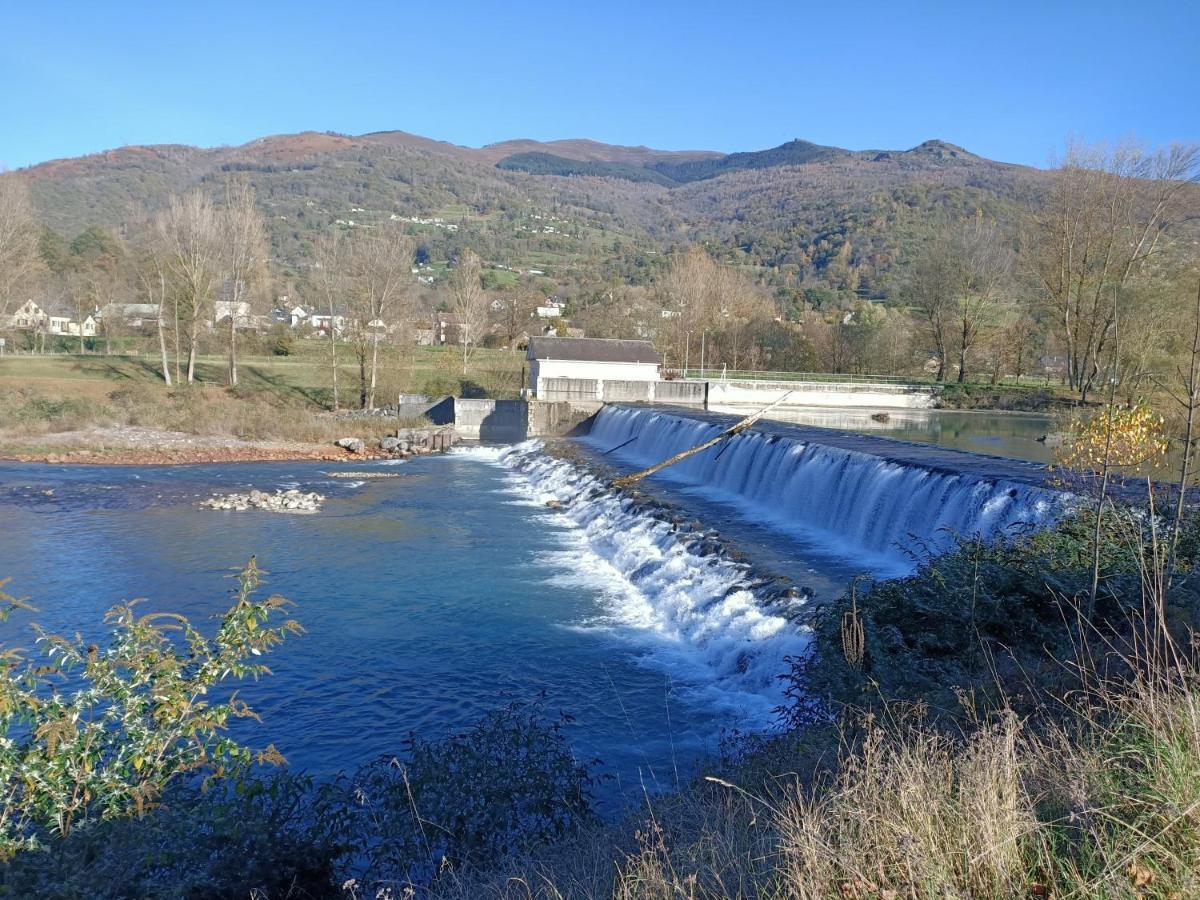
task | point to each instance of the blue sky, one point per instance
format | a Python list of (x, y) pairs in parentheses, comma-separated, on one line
[(1011, 81)]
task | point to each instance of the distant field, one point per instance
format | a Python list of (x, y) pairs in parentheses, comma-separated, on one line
[(304, 376)]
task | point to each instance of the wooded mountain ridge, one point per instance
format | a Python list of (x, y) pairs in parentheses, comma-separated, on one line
[(800, 212)]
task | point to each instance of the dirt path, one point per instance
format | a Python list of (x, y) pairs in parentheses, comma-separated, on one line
[(137, 446)]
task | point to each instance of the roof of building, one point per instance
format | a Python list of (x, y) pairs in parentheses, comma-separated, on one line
[(593, 350)]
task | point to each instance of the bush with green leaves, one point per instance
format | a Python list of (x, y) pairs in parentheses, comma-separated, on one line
[(94, 733)]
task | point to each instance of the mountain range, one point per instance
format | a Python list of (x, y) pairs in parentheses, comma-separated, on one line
[(578, 212)]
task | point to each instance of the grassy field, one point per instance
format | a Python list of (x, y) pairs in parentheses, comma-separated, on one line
[(278, 398), (304, 377)]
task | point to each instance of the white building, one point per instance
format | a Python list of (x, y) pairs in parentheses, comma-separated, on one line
[(324, 322), (27, 315), (590, 358), (223, 309)]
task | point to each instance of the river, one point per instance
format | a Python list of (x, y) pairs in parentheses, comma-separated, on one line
[(431, 597)]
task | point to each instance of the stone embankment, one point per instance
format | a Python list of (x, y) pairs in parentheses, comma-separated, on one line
[(292, 501)]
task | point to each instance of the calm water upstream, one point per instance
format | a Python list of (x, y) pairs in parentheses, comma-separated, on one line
[(427, 599), (979, 431)]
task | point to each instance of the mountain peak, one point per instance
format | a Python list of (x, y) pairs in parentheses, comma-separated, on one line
[(942, 150)]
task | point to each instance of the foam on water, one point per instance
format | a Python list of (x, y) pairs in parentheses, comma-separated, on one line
[(884, 514), (693, 615)]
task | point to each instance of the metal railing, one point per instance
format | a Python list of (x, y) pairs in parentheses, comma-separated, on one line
[(748, 375)]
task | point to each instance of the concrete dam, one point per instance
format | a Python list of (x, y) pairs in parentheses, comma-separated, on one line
[(889, 501)]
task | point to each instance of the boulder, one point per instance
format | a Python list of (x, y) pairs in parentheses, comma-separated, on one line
[(390, 444), (354, 445)]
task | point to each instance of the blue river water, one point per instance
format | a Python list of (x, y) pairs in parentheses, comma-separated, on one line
[(427, 599)]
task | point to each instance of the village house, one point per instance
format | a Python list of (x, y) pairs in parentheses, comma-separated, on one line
[(325, 323), (223, 309), (27, 315), (591, 359)]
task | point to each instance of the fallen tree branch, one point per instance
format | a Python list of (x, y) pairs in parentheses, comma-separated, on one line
[(619, 446), (736, 428)]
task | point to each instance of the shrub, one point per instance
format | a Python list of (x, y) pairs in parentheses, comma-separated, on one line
[(508, 783), (131, 718)]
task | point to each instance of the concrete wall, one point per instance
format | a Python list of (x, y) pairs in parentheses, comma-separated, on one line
[(491, 420), (820, 393), (555, 418), (509, 421), (542, 369), (680, 393)]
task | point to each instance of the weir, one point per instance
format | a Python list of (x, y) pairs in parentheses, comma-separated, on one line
[(893, 502)]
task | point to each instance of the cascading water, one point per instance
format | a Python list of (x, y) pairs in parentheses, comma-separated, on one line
[(697, 613), (854, 504)]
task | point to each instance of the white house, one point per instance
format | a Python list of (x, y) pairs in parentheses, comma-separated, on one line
[(27, 315), (590, 358), (58, 324), (324, 322), (88, 326), (223, 309)]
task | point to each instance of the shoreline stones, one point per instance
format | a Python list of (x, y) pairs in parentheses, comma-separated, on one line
[(358, 475), (404, 443), (290, 501)]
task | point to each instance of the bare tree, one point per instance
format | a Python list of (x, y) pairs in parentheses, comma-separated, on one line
[(190, 229), (703, 297), (331, 278), (152, 275), (981, 265), (19, 258), (929, 290), (470, 304), (518, 308), (381, 265), (243, 246), (1109, 212)]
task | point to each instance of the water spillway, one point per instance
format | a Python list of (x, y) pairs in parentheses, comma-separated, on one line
[(888, 502)]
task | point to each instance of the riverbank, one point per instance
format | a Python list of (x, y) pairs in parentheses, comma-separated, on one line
[(141, 446)]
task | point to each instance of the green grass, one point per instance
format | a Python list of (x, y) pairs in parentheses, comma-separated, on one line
[(304, 377)]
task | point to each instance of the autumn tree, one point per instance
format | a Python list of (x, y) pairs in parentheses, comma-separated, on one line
[(1109, 212), (701, 297), (470, 304)]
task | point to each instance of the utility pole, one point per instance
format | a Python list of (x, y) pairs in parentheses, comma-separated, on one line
[(703, 335), (687, 349)]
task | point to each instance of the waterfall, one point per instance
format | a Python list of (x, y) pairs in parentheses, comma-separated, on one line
[(705, 619), (856, 504)]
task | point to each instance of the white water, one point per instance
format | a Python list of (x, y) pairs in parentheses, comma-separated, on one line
[(855, 505), (692, 615)]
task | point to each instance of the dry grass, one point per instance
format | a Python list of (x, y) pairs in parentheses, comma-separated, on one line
[(246, 415), (1105, 804), (1097, 797)]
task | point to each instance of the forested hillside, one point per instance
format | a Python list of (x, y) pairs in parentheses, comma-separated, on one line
[(583, 213)]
